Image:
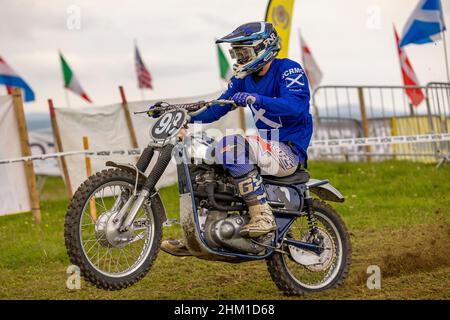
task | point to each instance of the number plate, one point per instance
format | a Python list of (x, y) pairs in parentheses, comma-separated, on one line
[(168, 125)]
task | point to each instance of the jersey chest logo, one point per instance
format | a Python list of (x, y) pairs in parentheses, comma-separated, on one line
[(293, 76)]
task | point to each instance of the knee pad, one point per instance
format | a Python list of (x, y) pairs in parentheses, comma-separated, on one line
[(233, 153), (251, 188)]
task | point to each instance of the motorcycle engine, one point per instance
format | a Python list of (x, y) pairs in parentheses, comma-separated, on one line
[(222, 231)]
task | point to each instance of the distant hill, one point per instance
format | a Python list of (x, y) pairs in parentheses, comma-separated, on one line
[(38, 121)]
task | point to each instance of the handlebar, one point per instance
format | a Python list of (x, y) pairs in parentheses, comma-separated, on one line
[(220, 102), (193, 108)]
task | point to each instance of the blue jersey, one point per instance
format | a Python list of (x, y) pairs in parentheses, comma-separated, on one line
[(284, 104)]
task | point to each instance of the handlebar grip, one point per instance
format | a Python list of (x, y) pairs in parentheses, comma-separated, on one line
[(250, 100)]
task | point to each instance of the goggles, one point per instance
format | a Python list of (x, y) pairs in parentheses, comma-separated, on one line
[(243, 54)]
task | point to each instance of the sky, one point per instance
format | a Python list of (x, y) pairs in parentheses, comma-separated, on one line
[(352, 41)]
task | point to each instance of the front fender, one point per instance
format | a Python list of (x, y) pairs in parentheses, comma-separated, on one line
[(156, 202), (325, 191), (127, 167)]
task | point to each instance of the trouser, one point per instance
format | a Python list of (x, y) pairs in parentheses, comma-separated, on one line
[(240, 155)]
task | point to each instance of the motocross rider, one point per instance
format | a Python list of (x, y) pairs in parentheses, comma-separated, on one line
[(277, 92)]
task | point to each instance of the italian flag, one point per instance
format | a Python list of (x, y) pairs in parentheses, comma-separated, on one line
[(225, 70), (70, 80)]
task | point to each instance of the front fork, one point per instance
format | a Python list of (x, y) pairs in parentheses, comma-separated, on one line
[(128, 216), (129, 210)]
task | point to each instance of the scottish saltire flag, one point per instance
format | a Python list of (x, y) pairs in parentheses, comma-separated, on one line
[(425, 23), (10, 79)]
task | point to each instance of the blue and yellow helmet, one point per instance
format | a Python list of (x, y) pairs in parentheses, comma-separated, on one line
[(253, 45)]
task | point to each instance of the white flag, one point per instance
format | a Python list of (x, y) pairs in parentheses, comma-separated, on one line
[(310, 65)]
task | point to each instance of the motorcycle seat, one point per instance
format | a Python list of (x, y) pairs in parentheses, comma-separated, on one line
[(298, 177)]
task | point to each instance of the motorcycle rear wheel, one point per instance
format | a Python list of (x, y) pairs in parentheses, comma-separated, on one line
[(294, 278), (79, 218)]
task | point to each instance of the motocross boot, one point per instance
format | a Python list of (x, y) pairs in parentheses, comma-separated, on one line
[(175, 248), (261, 221), (252, 190)]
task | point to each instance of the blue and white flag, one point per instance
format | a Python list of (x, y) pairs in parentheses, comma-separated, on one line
[(9, 78), (425, 23)]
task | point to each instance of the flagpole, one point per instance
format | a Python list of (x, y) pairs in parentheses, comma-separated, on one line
[(445, 43), (67, 98), (446, 56), (140, 89), (301, 48)]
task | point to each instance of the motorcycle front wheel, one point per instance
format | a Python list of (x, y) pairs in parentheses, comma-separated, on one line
[(296, 271), (107, 258)]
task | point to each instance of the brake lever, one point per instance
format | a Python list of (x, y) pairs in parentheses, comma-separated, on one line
[(150, 111), (157, 107), (140, 112)]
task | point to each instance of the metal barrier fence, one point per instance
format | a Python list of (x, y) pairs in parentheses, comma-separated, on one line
[(375, 111)]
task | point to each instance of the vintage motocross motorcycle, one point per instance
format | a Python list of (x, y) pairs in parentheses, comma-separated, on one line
[(114, 223)]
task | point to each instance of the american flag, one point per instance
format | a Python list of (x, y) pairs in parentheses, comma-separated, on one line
[(143, 75)]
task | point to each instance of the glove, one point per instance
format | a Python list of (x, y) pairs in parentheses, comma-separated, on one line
[(244, 98)]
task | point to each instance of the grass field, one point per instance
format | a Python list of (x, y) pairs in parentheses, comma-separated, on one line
[(398, 215)]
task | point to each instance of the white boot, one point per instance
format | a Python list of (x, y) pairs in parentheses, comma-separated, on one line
[(261, 221)]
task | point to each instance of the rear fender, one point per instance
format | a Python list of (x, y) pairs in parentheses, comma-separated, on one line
[(325, 191)]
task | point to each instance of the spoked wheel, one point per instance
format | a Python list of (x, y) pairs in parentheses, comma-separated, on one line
[(298, 271), (107, 257)]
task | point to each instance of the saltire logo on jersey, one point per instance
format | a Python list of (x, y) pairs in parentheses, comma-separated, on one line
[(294, 78), (258, 115)]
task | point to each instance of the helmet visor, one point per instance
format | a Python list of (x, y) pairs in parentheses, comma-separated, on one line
[(242, 54)]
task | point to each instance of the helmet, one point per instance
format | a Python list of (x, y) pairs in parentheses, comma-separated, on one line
[(253, 45)]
